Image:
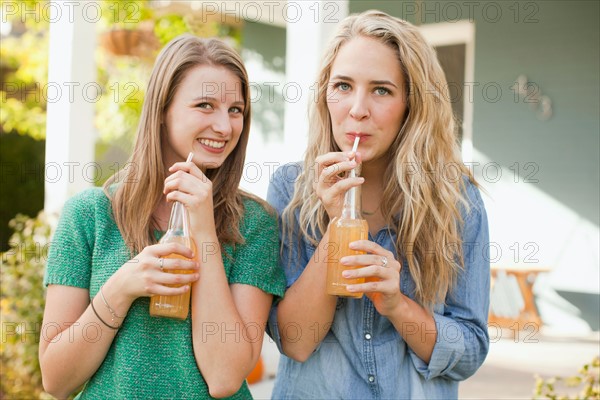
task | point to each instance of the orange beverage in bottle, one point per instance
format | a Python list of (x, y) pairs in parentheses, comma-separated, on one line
[(342, 232), (348, 228), (177, 306)]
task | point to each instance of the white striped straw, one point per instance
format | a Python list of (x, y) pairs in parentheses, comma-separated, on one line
[(353, 175), (354, 148)]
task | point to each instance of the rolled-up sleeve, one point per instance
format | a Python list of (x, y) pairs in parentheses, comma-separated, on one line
[(462, 336)]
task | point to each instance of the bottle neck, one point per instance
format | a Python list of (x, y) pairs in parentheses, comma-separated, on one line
[(179, 222), (352, 204)]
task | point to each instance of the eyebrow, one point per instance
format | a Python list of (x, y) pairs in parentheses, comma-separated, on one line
[(378, 82), (210, 98), (203, 98)]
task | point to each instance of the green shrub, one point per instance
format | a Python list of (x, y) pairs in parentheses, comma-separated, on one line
[(22, 299), (583, 386)]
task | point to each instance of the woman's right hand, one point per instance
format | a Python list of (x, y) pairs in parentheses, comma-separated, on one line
[(331, 185), (146, 275)]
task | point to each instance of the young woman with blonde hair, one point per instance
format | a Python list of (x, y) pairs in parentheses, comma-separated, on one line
[(421, 326), (105, 262)]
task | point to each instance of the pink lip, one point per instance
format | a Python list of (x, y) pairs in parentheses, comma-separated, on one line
[(352, 135)]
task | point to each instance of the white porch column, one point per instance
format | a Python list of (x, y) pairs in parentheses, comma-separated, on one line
[(310, 25), (72, 93)]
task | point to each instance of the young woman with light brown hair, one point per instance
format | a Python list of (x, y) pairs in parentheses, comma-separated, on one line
[(105, 263), (421, 326)]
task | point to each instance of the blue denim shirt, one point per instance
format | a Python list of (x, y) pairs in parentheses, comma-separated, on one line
[(363, 356)]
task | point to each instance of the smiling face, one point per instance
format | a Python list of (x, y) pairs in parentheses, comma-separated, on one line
[(366, 97), (205, 117)]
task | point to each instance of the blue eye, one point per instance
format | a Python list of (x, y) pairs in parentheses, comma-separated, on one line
[(342, 86), (236, 110), (381, 91), (207, 106)]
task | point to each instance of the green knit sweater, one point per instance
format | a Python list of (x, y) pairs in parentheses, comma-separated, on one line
[(151, 358)]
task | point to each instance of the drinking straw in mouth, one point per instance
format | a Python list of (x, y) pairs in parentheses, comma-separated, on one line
[(353, 175), (354, 148)]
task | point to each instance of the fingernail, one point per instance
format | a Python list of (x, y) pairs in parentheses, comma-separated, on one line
[(343, 260), (352, 245), (347, 274)]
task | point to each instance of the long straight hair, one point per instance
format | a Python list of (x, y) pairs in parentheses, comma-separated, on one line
[(140, 191), (423, 209)]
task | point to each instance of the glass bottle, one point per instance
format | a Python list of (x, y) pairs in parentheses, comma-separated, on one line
[(178, 232), (348, 228)]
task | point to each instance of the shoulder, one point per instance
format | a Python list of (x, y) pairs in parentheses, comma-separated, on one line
[(92, 199), (254, 205), (472, 193), (474, 206), (257, 211), (288, 172), (282, 183), (89, 197), (79, 220)]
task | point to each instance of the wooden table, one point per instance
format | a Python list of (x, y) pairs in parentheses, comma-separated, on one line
[(526, 316)]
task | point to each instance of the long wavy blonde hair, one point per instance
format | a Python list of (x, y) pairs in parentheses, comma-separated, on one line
[(140, 185), (422, 208)]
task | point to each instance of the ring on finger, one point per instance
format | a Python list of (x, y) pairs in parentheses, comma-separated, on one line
[(161, 262), (384, 261)]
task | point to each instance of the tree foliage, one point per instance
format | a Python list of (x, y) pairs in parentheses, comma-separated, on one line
[(24, 77)]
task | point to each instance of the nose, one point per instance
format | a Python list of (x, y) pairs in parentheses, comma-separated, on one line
[(221, 123), (360, 107)]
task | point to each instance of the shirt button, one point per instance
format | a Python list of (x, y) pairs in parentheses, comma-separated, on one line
[(371, 378), (368, 336)]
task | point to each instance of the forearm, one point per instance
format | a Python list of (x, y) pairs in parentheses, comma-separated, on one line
[(63, 367), (64, 340), (306, 313), (223, 349), (416, 326)]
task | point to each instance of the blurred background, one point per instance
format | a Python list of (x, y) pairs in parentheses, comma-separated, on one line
[(524, 83)]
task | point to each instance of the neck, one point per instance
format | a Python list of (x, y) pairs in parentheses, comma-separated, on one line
[(373, 172), (161, 213), (373, 187)]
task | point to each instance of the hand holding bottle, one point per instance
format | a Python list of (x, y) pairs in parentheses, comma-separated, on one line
[(381, 274), (143, 276)]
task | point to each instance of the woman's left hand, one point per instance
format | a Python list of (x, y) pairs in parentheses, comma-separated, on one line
[(381, 272), (188, 185)]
